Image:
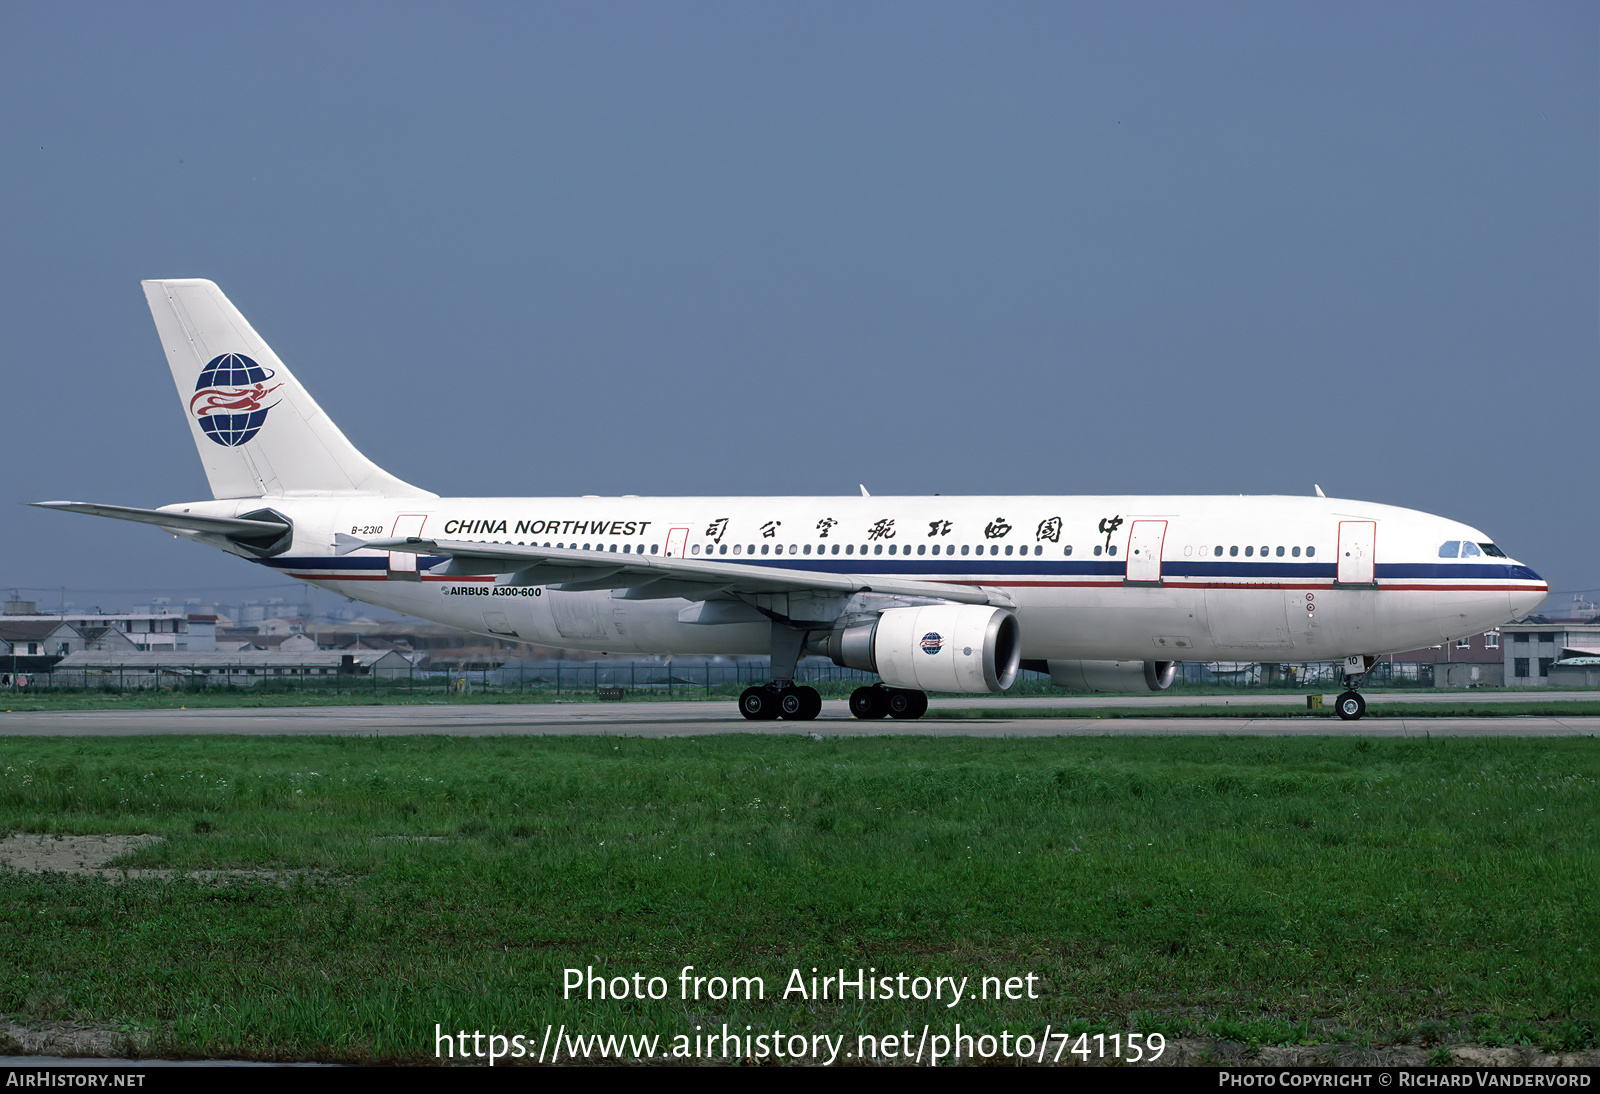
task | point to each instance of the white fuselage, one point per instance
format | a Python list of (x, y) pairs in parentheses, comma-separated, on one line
[(1116, 578)]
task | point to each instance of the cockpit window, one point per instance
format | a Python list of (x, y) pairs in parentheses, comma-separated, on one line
[(1460, 548)]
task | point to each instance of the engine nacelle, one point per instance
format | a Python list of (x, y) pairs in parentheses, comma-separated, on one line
[(1113, 675), (940, 647)]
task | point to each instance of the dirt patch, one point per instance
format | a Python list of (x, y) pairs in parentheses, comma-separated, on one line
[(68, 854), (88, 855), (69, 1039)]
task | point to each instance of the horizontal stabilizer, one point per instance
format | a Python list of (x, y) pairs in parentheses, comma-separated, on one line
[(233, 527)]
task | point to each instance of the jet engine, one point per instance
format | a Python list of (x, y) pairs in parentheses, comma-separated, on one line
[(1113, 675), (938, 647)]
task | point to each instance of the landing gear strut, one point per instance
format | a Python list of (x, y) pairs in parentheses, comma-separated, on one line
[(782, 698), (877, 701)]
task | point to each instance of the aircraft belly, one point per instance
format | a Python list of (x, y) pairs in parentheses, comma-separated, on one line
[(1115, 622)]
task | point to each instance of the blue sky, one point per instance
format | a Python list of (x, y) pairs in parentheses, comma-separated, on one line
[(556, 249)]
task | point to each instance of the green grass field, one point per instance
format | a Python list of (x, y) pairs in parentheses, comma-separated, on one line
[(1264, 890)]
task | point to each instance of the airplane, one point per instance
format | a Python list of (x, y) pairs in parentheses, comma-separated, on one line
[(948, 594)]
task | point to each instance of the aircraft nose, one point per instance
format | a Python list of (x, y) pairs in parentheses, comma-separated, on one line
[(1525, 599)]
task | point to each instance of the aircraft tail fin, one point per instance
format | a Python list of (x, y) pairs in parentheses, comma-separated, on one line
[(259, 433)]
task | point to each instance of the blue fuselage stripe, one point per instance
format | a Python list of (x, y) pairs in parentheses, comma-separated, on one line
[(1019, 567)]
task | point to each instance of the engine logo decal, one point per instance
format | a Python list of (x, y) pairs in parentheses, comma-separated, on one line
[(932, 642)]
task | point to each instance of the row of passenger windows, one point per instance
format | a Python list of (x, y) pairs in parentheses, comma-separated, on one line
[(873, 548), (966, 549), (1250, 551)]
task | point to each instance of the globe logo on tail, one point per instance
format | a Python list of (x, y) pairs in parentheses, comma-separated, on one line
[(228, 398)]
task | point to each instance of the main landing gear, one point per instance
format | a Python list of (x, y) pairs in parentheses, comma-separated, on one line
[(877, 701), (1351, 706), (782, 698), (769, 701)]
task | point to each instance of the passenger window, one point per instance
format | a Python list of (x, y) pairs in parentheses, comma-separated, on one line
[(808, 549), (1218, 551), (653, 547), (1280, 552), (1233, 551), (849, 548), (922, 548), (1008, 549), (964, 548), (835, 548), (994, 549), (1067, 550), (1295, 551), (1113, 548), (877, 549), (1310, 551), (1248, 551), (736, 548), (763, 548), (695, 549), (1097, 550)]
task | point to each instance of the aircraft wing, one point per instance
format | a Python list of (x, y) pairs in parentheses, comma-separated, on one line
[(648, 576)]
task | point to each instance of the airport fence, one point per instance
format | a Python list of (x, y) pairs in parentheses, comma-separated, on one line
[(616, 680)]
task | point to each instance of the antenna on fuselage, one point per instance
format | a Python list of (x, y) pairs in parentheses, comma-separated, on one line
[(1318, 489), (864, 490)]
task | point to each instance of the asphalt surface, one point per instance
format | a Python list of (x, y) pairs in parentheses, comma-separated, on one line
[(685, 719)]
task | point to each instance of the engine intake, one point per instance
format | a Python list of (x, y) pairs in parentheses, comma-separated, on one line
[(941, 647)]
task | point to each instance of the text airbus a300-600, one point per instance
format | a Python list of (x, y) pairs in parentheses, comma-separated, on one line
[(950, 594)]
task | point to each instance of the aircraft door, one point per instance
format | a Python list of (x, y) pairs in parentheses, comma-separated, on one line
[(677, 542), (402, 564), (1357, 540), (1145, 540)]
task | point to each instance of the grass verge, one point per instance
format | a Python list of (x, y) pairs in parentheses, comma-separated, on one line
[(1267, 890)]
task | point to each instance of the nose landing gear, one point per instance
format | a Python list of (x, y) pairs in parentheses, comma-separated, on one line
[(1351, 706)]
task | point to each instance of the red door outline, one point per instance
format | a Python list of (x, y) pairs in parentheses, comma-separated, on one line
[(1145, 541), (403, 564)]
